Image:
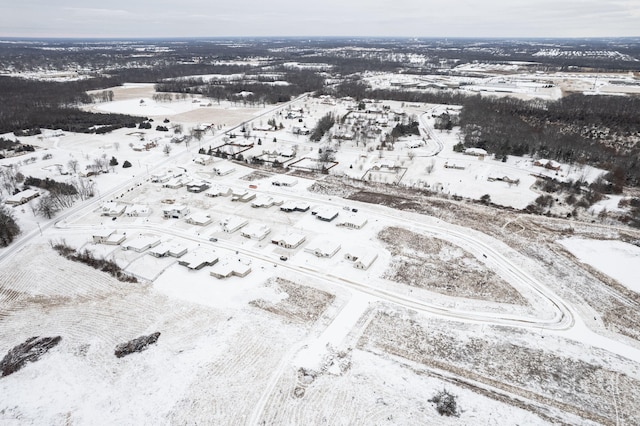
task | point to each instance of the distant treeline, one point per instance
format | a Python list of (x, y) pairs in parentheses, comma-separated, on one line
[(254, 89), (33, 104)]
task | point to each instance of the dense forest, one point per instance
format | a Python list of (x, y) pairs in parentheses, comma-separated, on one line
[(603, 131)]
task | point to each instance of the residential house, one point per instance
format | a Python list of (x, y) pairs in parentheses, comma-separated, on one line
[(242, 195), (229, 268), (198, 186), (203, 159), (352, 221), (22, 197), (175, 211), (255, 231), (362, 258), (323, 248), (326, 214), (140, 244), (265, 202), (168, 249), (112, 209), (199, 218), (476, 152), (289, 241), (295, 206), (198, 259), (284, 181), (136, 210), (223, 169), (218, 191), (232, 224)]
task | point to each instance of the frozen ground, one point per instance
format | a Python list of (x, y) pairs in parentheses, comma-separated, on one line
[(517, 329)]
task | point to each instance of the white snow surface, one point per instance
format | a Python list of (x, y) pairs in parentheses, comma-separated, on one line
[(619, 260)]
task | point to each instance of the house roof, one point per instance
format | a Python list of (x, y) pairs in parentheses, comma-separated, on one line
[(233, 222), (256, 230), (195, 259), (140, 243), (103, 233), (353, 219), (326, 247), (292, 238), (27, 193)]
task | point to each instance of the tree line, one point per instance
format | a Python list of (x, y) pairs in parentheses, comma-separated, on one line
[(603, 131)]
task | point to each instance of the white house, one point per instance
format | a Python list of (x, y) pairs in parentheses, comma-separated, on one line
[(290, 241), (175, 211), (223, 169), (255, 231), (218, 191), (477, 152), (232, 224), (22, 197), (136, 210), (168, 249), (265, 202), (199, 218), (353, 221), (242, 196), (203, 159), (198, 259), (101, 235), (140, 244), (295, 206), (284, 181), (326, 214), (197, 186), (112, 209), (230, 268), (323, 248), (160, 177), (174, 183), (362, 258)]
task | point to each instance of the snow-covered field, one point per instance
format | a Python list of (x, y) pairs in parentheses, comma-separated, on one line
[(304, 337), (619, 260)]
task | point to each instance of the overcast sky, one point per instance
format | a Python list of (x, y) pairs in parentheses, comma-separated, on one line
[(413, 18)]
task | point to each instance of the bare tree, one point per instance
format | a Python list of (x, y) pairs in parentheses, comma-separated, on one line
[(47, 206), (86, 188), (73, 165), (167, 149)]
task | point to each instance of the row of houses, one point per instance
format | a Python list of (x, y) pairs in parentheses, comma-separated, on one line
[(194, 260), (114, 209), (362, 258)]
